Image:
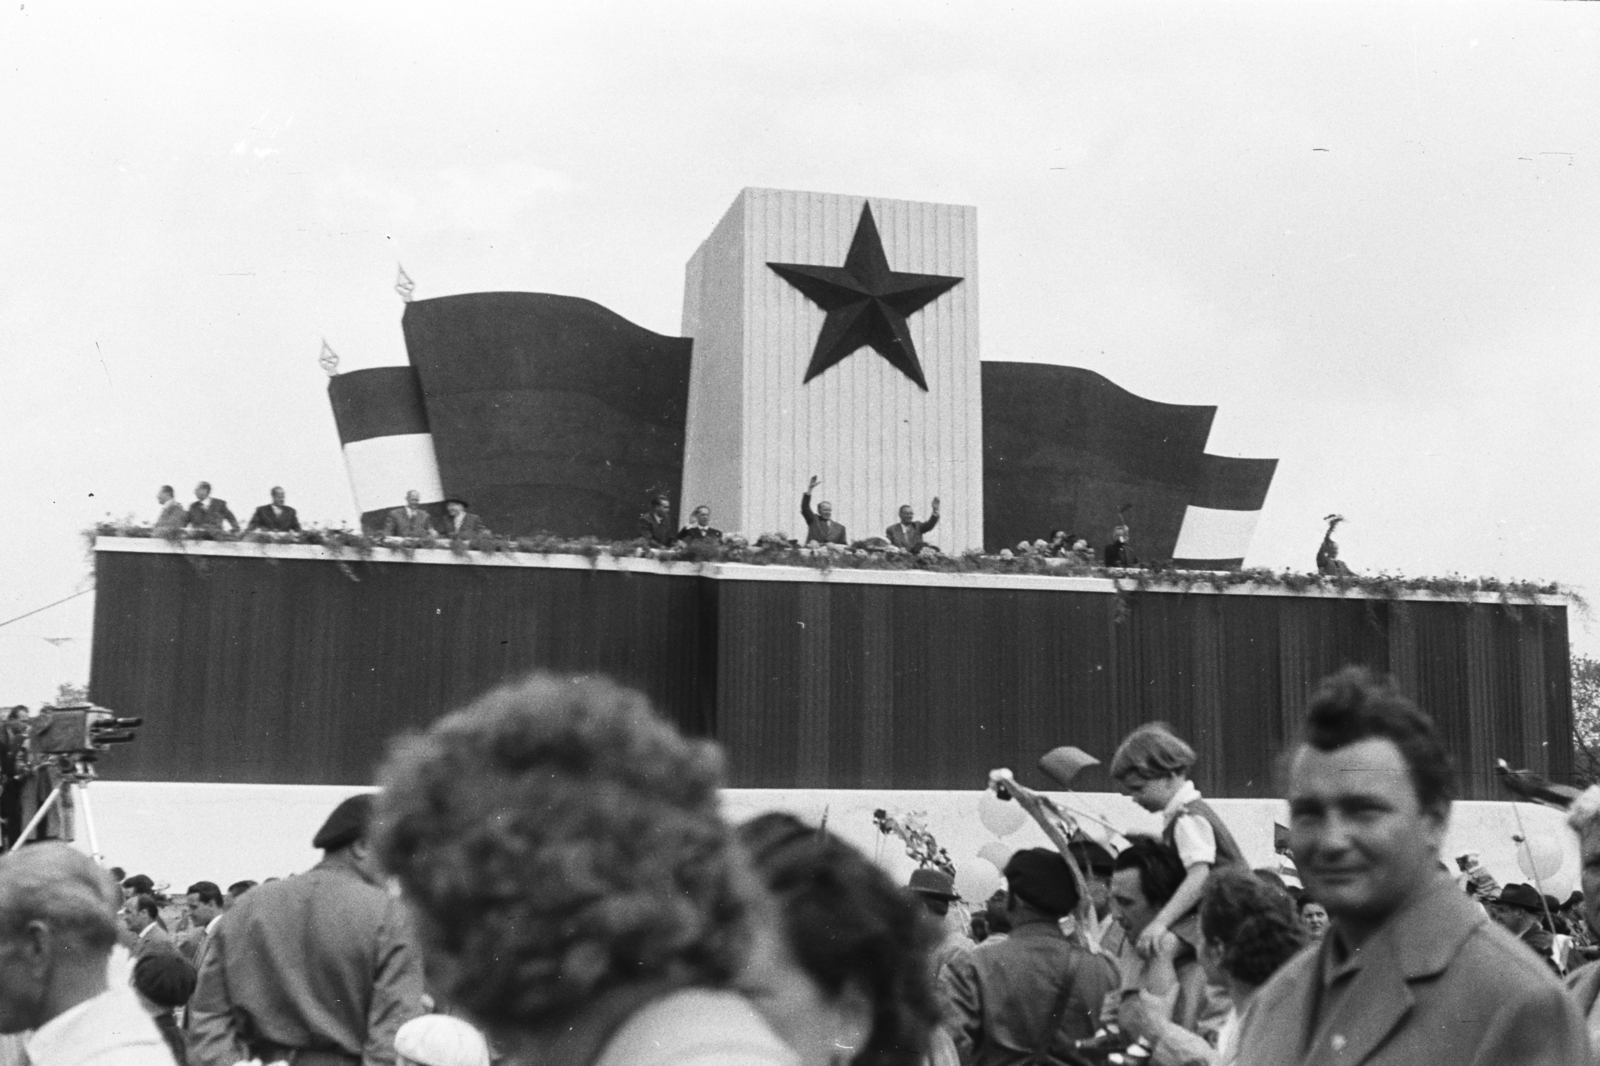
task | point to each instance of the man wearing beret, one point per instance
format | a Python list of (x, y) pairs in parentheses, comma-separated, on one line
[(1034, 995), (317, 970)]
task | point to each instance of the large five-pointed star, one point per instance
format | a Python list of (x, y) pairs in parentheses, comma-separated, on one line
[(867, 303)]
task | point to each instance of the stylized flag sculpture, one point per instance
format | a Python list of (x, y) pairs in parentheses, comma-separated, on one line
[(553, 414), (1066, 448), (383, 430)]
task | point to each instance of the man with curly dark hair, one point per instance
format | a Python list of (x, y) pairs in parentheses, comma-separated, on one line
[(574, 887), (847, 974), (1410, 970)]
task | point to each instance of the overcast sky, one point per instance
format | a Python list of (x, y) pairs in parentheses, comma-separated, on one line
[(1369, 234)]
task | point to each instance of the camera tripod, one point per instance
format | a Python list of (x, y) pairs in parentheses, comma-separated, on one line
[(71, 795)]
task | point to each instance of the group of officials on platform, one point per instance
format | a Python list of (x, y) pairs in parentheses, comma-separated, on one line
[(907, 534)]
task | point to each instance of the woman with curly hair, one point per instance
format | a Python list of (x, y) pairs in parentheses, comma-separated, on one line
[(1248, 929), (574, 888), (847, 977)]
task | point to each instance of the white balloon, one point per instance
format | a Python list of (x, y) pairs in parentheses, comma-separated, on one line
[(997, 852), (976, 882), (1540, 858), (1000, 817)]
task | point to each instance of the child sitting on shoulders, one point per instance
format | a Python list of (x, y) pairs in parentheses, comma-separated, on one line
[(1152, 767)]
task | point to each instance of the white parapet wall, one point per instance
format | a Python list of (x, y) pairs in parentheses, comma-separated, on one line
[(181, 833)]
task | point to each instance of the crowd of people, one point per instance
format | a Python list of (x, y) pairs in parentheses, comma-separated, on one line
[(907, 534), (546, 877)]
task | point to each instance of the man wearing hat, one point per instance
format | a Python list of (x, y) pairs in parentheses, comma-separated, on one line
[(459, 522), (1037, 993), (317, 970), (937, 890), (1518, 908)]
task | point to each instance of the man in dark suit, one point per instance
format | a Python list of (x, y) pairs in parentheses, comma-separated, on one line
[(907, 533), (820, 527), (699, 527), (459, 523), (410, 520), (1118, 553), (277, 516), (1410, 970), (655, 525), (208, 512)]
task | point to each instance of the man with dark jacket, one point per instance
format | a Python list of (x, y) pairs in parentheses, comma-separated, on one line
[(208, 512), (1032, 996), (409, 521), (318, 970), (277, 516), (820, 526), (655, 525), (907, 533)]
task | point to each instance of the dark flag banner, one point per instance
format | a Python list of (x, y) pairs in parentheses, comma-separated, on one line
[(383, 429), (1066, 448), (550, 413)]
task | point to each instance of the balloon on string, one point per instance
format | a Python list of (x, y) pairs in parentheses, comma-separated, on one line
[(1000, 817), (998, 853), (976, 882), (1540, 858)]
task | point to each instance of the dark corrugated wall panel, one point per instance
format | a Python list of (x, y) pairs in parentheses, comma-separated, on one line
[(275, 670), (287, 671)]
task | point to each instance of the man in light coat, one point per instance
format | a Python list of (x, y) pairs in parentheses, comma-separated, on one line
[(1410, 970), (317, 970)]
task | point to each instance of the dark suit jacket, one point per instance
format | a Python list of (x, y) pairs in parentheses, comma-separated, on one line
[(285, 522), (690, 534), (1440, 983), (1119, 554), (401, 524), (910, 538), (818, 531), (657, 531), (471, 526), (212, 514)]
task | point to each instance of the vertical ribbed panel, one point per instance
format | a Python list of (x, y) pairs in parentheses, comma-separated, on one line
[(873, 436), (713, 301)]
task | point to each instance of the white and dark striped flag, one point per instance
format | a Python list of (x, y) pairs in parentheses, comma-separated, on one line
[(1222, 512), (383, 428)]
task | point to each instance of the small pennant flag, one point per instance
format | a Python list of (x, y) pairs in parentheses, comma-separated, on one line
[(329, 359), (404, 285)]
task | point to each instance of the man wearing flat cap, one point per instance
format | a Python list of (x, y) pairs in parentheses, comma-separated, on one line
[(317, 970), (1033, 996)]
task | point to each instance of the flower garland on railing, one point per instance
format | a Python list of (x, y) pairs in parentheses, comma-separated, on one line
[(777, 549)]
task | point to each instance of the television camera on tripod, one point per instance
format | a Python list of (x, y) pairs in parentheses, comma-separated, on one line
[(46, 763)]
